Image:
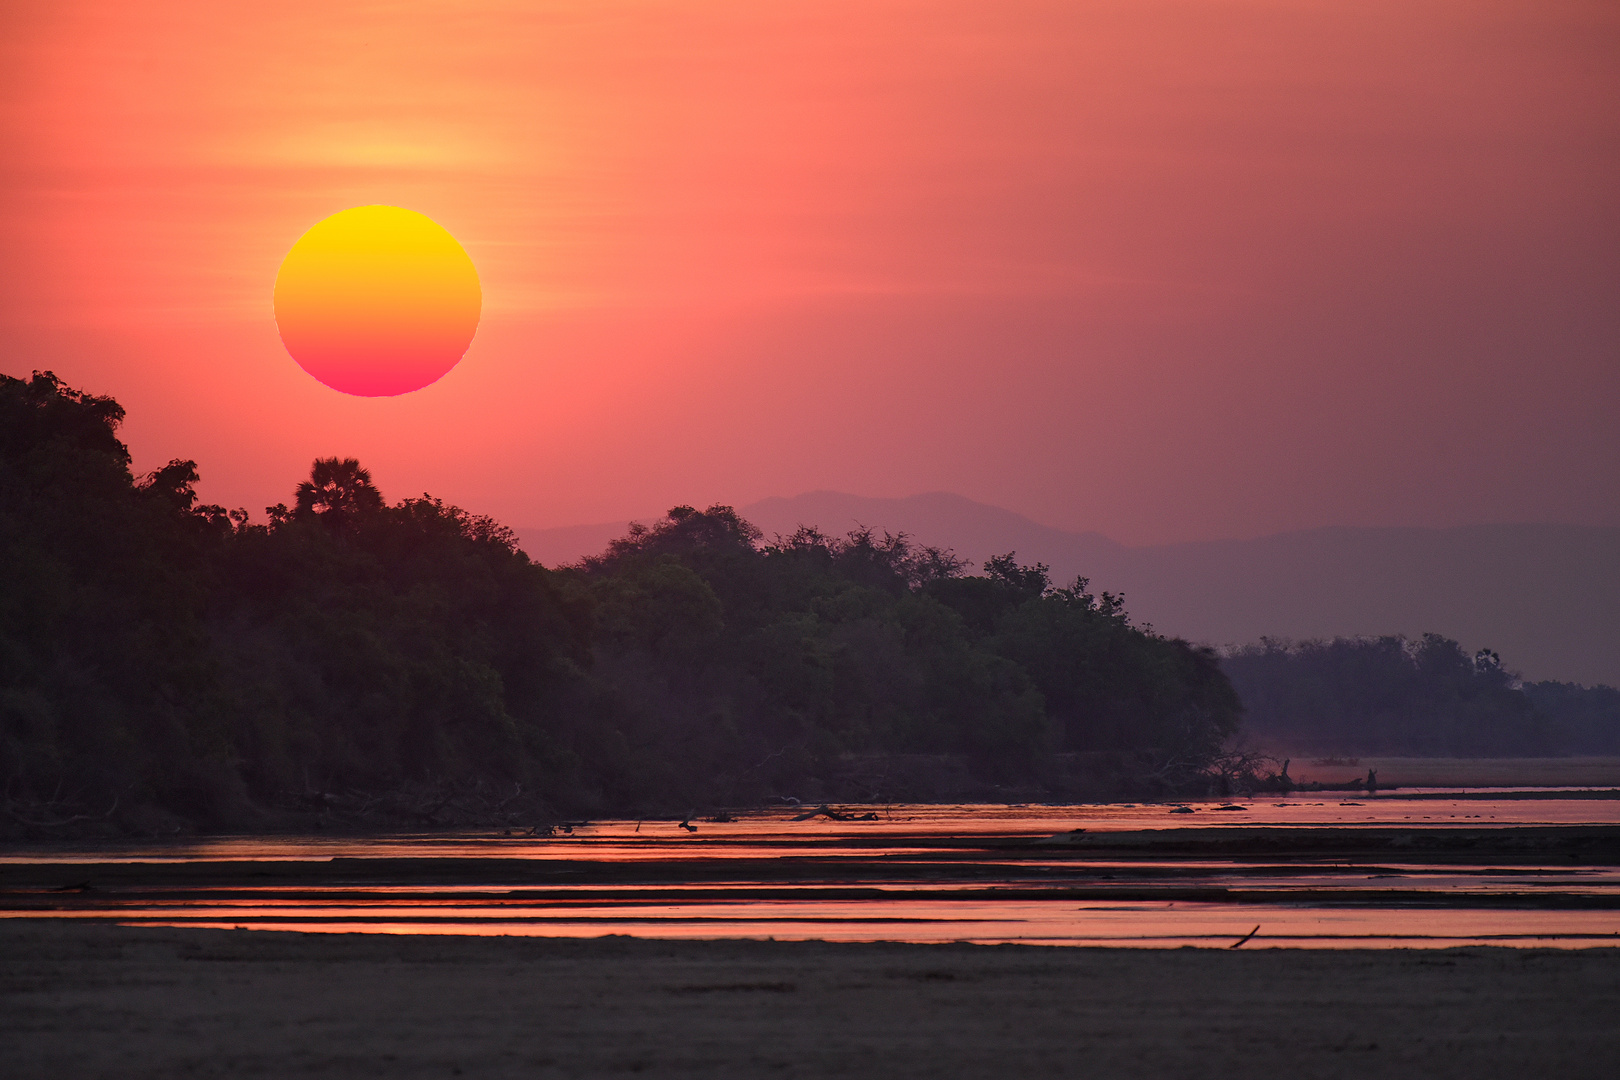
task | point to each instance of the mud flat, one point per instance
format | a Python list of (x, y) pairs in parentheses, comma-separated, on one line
[(97, 1000)]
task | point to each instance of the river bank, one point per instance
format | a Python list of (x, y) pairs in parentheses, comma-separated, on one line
[(99, 1000)]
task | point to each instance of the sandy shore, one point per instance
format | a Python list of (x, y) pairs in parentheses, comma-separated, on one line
[(98, 1000)]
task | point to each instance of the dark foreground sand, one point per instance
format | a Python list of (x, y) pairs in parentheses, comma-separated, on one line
[(95, 1000)]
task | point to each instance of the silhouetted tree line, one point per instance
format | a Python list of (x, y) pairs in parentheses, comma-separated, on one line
[(1423, 697), (164, 661)]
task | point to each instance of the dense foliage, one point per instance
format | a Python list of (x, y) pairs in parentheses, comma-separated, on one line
[(1423, 697), (184, 663), (1580, 719), (167, 654), (759, 665)]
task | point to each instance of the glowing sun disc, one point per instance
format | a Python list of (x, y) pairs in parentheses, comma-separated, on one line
[(377, 300)]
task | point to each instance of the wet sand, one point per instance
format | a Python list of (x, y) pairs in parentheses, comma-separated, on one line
[(99, 1000)]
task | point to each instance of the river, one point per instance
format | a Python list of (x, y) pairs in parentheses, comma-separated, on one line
[(1411, 868)]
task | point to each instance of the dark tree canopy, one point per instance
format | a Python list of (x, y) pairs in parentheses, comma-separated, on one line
[(189, 665), (183, 660)]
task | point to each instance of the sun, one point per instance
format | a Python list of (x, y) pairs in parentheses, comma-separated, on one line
[(377, 300)]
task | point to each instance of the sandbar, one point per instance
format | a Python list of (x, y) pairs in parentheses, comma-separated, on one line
[(86, 1000)]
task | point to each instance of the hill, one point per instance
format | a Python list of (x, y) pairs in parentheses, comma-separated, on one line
[(1545, 596)]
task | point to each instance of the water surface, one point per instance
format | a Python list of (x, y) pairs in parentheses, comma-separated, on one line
[(1421, 868)]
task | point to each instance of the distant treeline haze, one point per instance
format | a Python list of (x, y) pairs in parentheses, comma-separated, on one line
[(1425, 698), (165, 663)]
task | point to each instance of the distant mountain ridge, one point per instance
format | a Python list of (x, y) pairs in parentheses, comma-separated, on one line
[(1547, 597)]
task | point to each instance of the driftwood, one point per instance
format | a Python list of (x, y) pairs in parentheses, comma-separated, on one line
[(1371, 785), (828, 812), (1238, 944)]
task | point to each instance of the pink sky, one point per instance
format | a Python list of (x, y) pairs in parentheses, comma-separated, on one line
[(1166, 269)]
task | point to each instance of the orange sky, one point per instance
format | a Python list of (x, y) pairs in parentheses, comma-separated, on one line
[(1167, 269)]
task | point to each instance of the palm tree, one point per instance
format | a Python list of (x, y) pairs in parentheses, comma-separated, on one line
[(337, 489)]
